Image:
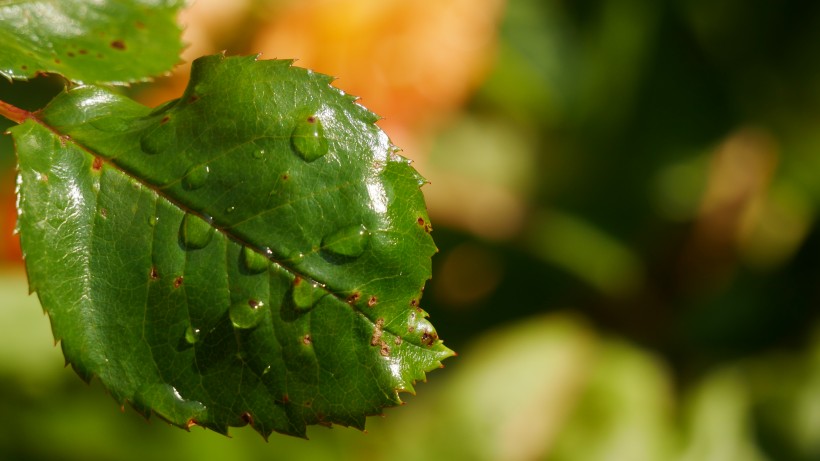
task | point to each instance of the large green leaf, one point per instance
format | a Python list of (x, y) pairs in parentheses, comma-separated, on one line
[(93, 42), (253, 252)]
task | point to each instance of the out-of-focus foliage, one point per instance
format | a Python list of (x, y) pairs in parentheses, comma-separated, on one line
[(625, 209)]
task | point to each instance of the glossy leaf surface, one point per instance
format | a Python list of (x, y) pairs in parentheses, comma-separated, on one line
[(92, 42), (204, 267)]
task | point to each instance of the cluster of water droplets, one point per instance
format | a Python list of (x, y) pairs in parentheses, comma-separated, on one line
[(309, 142)]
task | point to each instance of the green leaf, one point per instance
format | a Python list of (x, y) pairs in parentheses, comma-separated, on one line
[(253, 252), (92, 42)]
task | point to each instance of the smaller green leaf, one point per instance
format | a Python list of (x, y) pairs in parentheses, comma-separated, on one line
[(89, 42)]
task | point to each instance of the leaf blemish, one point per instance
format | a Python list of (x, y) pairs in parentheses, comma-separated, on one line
[(118, 45), (377, 340), (372, 301), (354, 297), (307, 340), (178, 282), (154, 274), (247, 417), (428, 338), (104, 212), (97, 164), (377, 332), (165, 119)]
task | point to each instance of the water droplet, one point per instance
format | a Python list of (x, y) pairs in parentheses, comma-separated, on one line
[(347, 241), (195, 232), (253, 261), (230, 209), (192, 335), (306, 293), (113, 124), (308, 138), (259, 153), (247, 314), (195, 177), (295, 257), (149, 145)]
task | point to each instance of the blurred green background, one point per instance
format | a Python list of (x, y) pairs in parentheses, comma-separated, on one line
[(624, 196)]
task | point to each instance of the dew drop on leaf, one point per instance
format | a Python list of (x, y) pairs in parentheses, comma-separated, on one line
[(192, 335), (347, 241), (247, 314), (195, 177), (195, 232), (259, 153), (149, 145), (308, 139), (296, 257), (306, 293), (253, 261)]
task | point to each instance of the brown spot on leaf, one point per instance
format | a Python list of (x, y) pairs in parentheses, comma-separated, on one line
[(165, 119), (70, 54), (178, 282), (118, 45), (398, 340), (247, 417), (154, 274), (372, 301), (57, 61), (414, 302), (311, 119), (428, 338), (193, 98), (354, 297), (307, 340), (377, 332), (286, 398), (97, 164), (191, 423), (82, 51), (377, 340)]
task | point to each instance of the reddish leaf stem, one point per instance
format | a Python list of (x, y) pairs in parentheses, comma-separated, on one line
[(14, 113)]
